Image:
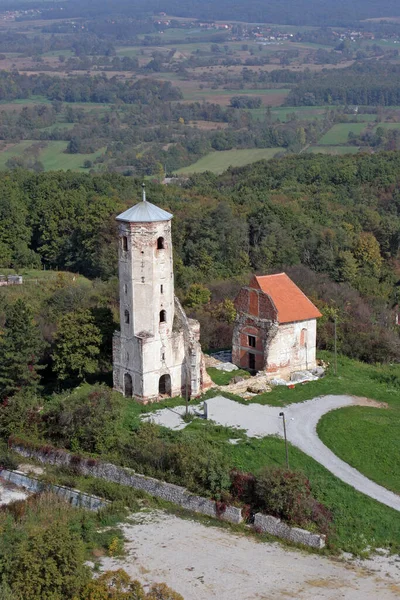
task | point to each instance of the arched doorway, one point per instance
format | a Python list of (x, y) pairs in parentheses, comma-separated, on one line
[(128, 387), (164, 385)]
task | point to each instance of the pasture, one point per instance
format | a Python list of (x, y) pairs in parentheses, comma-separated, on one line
[(218, 162), (335, 150), (339, 133), (51, 154)]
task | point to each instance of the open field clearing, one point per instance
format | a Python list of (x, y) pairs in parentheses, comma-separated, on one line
[(339, 133), (335, 150), (202, 562), (388, 125), (274, 97), (218, 162), (51, 155)]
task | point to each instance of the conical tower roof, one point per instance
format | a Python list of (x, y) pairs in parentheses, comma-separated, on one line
[(144, 212)]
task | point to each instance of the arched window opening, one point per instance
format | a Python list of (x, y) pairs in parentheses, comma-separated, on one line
[(163, 316), (128, 387), (160, 243), (126, 316), (164, 385), (303, 338), (124, 243)]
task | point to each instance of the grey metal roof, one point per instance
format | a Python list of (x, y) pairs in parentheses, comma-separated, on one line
[(144, 212)]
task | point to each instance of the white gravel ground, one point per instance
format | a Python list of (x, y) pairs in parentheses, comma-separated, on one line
[(204, 562), (9, 493), (301, 421)]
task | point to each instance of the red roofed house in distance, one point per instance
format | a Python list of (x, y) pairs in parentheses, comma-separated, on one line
[(275, 328)]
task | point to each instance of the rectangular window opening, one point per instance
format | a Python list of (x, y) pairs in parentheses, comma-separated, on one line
[(162, 289), (252, 341)]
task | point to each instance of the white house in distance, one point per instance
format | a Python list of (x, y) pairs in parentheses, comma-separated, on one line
[(157, 352), (275, 328)]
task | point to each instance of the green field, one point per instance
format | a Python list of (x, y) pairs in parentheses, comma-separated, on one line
[(218, 162), (369, 441), (388, 125), (339, 133), (52, 155), (276, 95), (335, 150)]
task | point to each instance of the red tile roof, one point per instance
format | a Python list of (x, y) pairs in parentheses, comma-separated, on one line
[(291, 304)]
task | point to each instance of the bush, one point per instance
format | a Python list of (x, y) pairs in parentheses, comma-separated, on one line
[(7, 461), (287, 495)]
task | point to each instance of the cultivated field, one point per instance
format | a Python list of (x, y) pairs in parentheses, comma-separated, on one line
[(335, 150), (339, 133), (51, 154), (217, 162)]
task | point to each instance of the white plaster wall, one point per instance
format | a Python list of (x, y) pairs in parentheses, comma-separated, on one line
[(286, 354)]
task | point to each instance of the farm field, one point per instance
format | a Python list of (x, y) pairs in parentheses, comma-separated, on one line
[(218, 162), (52, 155), (388, 125), (339, 133), (335, 150), (269, 97)]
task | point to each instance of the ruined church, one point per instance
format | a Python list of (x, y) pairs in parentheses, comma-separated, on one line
[(275, 328), (157, 351)]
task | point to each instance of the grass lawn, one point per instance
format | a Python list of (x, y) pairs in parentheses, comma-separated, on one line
[(218, 162), (223, 377), (335, 150), (368, 439), (339, 133), (52, 155)]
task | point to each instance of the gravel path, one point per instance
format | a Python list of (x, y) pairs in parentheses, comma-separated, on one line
[(204, 562), (301, 421), (302, 432)]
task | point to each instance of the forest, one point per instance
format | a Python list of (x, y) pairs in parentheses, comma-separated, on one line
[(309, 12)]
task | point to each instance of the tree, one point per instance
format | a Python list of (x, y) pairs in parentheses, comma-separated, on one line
[(77, 345), (20, 348), (197, 295)]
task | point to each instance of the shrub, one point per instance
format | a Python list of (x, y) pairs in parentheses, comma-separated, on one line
[(287, 495)]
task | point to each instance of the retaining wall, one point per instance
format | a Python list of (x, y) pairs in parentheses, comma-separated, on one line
[(74, 497), (167, 491), (274, 526)]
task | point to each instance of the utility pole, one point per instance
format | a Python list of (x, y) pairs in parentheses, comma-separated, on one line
[(282, 414), (335, 346)]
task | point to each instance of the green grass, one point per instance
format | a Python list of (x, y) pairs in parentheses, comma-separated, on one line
[(339, 133), (335, 150), (218, 162), (368, 439), (197, 94), (388, 125), (223, 377), (52, 155)]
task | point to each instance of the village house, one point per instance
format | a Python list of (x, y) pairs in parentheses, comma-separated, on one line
[(275, 328), (157, 351)]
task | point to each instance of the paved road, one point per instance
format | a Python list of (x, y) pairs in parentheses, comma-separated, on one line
[(302, 433), (301, 419)]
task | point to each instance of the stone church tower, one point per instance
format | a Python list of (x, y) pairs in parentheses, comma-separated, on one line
[(157, 352)]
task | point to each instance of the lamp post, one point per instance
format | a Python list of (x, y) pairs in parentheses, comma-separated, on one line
[(282, 414)]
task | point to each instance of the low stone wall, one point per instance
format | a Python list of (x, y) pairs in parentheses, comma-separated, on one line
[(154, 487), (168, 491), (268, 524), (73, 497)]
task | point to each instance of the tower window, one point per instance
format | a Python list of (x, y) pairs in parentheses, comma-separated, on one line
[(252, 341), (160, 243), (163, 316), (126, 316), (161, 289), (125, 288), (124, 243)]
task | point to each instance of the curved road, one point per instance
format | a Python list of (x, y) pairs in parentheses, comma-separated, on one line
[(302, 432)]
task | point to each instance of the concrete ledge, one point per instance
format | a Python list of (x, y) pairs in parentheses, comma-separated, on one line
[(274, 526)]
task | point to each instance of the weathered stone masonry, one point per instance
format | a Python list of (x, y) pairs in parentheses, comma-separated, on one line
[(170, 492)]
